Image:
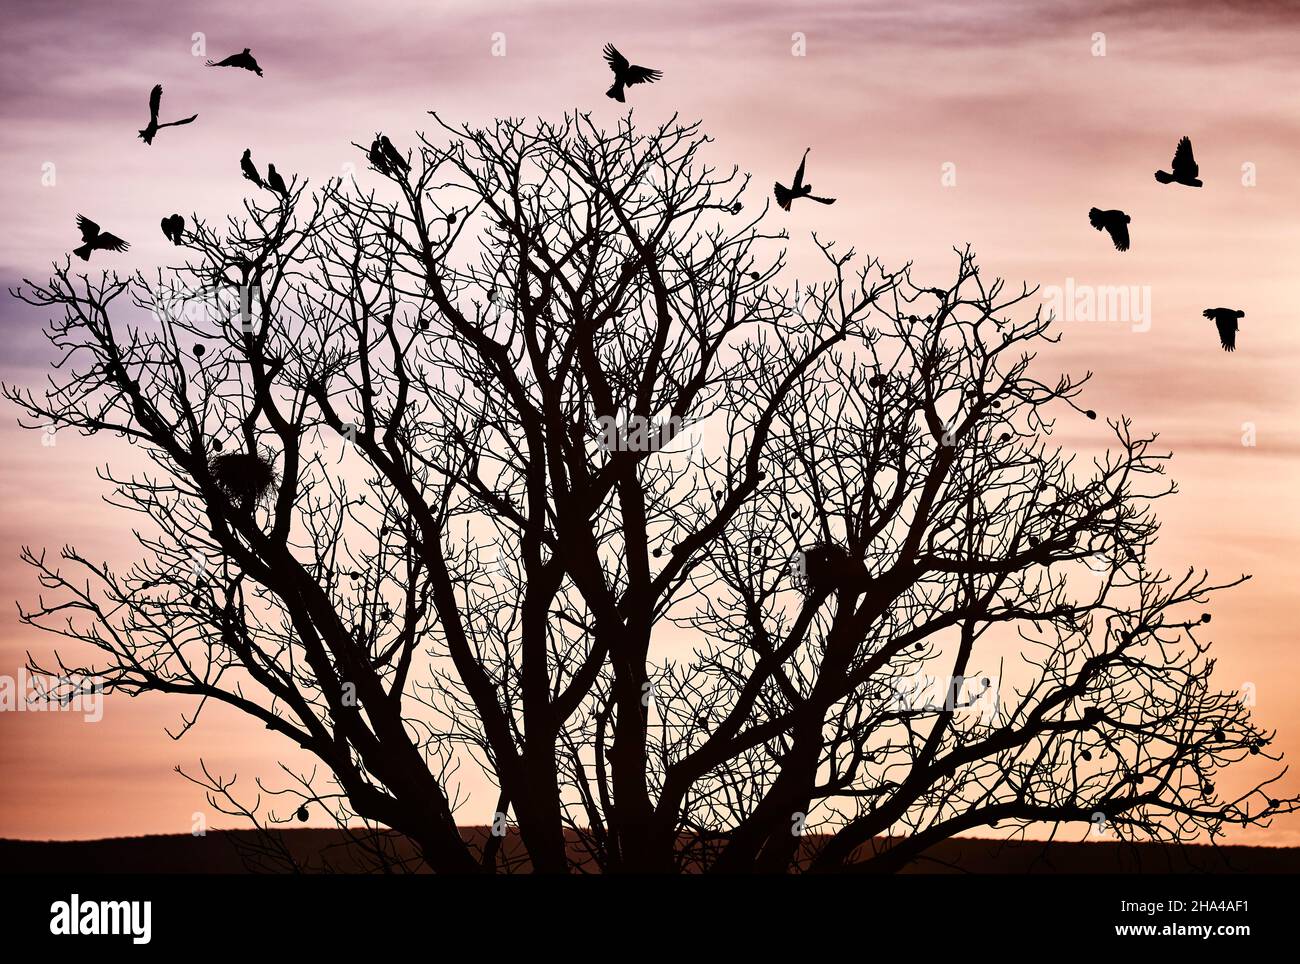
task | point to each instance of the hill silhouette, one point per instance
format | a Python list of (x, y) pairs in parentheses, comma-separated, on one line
[(333, 850)]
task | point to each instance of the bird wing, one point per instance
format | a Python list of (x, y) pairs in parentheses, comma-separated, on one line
[(643, 75), (228, 62), (177, 123), (88, 228), (111, 242), (1227, 332), (1118, 231), (155, 99), (1184, 163), (617, 62), (798, 175), (821, 200)]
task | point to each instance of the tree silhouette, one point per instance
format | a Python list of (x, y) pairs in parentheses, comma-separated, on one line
[(842, 599)]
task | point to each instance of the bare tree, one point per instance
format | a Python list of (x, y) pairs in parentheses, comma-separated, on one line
[(534, 465)]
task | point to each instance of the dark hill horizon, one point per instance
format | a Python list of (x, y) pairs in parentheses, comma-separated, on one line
[(317, 850)]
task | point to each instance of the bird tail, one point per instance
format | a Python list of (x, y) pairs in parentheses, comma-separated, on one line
[(83, 252), (783, 196), (146, 136), (1094, 217), (1164, 177), (616, 92)]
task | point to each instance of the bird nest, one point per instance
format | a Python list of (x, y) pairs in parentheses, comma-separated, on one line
[(245, 479), (824, 567)]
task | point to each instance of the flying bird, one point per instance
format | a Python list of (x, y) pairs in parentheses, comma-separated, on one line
[(173, 228), (1225, 319), (250, 172), (1114, 223), (155, 98), (392, 156), (626, 74), (95, 239), (275, 181), (1184, 165), (784, 195), (244, 60)]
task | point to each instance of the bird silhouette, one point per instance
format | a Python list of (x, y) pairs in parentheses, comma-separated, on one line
[(626, 74), (173, 228), (1114, 223), (244, 60), (1225, 319), (376, 155), (392, 156), (155, 98), (275, 181), (95, 239), (785, 196), (250, 172), (1184, 165)]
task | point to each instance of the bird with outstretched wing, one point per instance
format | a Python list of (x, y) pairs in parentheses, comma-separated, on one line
[(785, 195), (155, 101), (1225, 319), (243, 60), (96, 240), (1184, 169), (1115, 223), (626, 74)]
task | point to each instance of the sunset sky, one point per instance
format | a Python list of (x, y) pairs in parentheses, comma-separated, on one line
[(1036, 127)]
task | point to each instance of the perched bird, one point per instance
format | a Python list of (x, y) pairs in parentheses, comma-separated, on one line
[(784, 195), (250, 172), (626, 74), (173, 228), (244, 60), (376, 155), (1184, 165), (392, 156), (275, 181), (95, 239), (155, 98), (1114, 223), (1225, 319)]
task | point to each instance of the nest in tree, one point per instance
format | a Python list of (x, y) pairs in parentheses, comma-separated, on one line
[(827, 566), (243, 478)]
